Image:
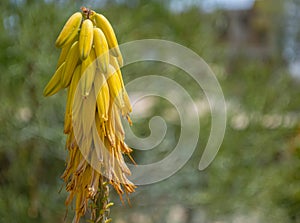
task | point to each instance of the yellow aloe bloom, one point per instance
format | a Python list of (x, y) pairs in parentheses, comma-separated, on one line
[(96, 102)]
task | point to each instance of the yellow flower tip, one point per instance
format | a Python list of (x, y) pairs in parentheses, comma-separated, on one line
[(131, 158), (129, 119)]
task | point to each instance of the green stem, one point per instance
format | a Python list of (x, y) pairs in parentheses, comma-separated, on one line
[(100, 206)]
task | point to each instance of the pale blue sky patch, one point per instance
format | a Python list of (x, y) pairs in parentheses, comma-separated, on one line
[(211, 5)]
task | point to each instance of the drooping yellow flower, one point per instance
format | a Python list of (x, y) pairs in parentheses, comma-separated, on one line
[(89, 67)]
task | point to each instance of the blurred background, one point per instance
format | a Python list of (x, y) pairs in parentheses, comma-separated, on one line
[(253, 47)]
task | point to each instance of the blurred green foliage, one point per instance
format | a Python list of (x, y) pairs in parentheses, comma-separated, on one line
[(255, 176)]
